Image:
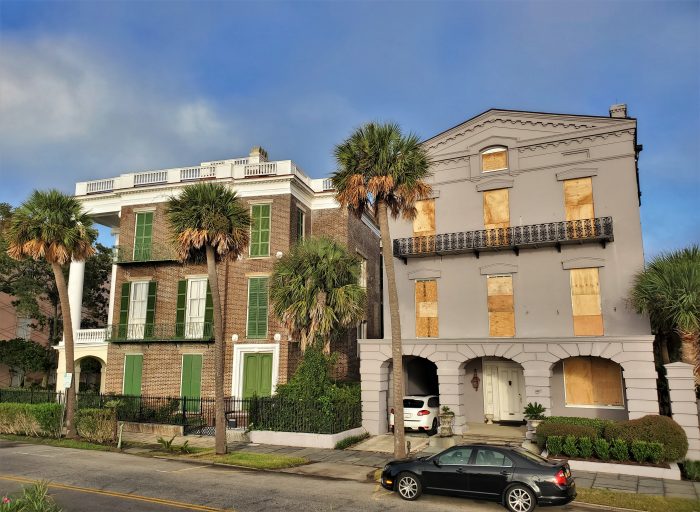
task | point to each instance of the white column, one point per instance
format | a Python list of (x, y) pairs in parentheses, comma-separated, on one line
[(684, 408), (451, 379), (113, 282), (75, 292)]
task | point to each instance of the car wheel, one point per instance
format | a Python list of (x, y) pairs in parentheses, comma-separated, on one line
[(409, 487), (519, 498), (434, 429)]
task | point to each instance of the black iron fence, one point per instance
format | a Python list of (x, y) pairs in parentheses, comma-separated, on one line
[(516, 237), (197, 415)]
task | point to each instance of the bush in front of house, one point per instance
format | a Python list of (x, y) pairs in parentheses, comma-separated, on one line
[(585, 447), (619, 450), (601, 447), (37, 420), (570, 446), (548, 428), (96, 425), (595, 423), (652, 428), (554, 445)]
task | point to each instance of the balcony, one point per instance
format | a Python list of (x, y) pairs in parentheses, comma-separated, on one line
[(532, 236), (129, 255), (155, 333), (89, 336)]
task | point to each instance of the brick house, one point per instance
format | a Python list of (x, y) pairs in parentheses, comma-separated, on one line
[(160, 338), (512, 288)]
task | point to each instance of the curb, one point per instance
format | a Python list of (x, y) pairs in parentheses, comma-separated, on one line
[(596, 506)]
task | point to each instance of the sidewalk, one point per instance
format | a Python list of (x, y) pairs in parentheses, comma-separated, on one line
[(360, 465)]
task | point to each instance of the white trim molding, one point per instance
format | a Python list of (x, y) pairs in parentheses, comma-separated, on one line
[(239, 350)]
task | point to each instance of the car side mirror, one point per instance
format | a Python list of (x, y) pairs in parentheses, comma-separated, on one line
[(436, 462)]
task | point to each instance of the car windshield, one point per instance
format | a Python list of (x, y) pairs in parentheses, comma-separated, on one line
[(529, 455), (412, 403)]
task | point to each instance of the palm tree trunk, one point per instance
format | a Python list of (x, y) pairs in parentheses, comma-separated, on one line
[(68, 345), (396, 348), (689, 351), (219, 355)]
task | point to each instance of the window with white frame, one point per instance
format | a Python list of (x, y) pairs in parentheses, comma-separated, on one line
[(24, 328), (494, 159), (196, 307), (137, 309), (362, 281)]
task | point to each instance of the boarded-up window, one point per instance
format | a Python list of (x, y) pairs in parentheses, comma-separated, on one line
[(578, 203), (424, 225), (585, 302), (496, 216), (500, 304), (426, 309), (494, 159), (592, 381)]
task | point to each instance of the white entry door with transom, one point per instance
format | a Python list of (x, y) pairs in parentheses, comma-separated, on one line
[(196, 308), (503, 390)]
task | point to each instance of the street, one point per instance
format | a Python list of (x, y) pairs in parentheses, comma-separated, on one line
[(84, 480)]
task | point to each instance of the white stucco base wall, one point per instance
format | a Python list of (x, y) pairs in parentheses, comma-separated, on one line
[(537, 356), (302, 439), (674, 473)]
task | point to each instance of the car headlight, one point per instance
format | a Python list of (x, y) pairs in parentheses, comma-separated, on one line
[(386, 468)]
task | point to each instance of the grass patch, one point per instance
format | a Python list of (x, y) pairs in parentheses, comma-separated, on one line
[(349, 441), (636, 501), (64, 443), (260, 460)]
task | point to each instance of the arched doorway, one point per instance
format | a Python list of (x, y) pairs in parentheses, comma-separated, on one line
[(504, 389), (90, 375)]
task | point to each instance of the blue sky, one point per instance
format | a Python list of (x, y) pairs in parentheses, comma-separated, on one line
[(94, 89)]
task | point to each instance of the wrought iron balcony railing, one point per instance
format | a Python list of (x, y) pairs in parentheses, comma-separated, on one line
[(183, 332), (513, 238), (151, 253)]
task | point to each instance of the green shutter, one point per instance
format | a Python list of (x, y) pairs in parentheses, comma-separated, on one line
[(260, 230), (133, 367), (257, 375), (143, 236), (124, 311), (208, 315), (149, 329), (181, 309), (257, 307), (191, 386)]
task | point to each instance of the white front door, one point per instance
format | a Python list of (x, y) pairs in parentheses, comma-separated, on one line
[(503, 390), (196, 306), (137, 310)]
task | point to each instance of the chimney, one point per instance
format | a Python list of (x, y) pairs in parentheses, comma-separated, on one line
[(619, 110), (257, 155)]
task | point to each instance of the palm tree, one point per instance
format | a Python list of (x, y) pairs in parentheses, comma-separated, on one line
[(53, 226), (668, 290), (209, 223), (315, 291), (381, 170)]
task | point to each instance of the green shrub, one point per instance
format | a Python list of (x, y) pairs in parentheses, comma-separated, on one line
[(34, 498), (349, 441), (661, 429), (595, 423), (656, 452), (618, 450), (534, 411), (554, 445), (691, 469), (30, 419), (96, 425), (639, 450), (569, 447), (601, 448), (548, 428), (585, 447)]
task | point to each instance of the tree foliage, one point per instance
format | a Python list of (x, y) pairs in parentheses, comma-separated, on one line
[(314, 290), (26, 356)]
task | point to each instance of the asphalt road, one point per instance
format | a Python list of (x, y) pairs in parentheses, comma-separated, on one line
[(83, 480)]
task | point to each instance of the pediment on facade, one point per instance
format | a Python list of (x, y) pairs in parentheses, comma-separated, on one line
[(582, 263), (498, 268), (424, 273), (495, 184), (511, 128)]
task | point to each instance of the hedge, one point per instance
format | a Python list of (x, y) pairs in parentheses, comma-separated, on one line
[(96, 425), (595, 423), (652, 428), (31, 419), (563, 430)]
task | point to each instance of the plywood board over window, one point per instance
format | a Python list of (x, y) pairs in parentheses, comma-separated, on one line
[(500, 306), (426, 309), (497, 215), (424, 224), (585, 302), (494, 159), (593, 381), (578, 203)]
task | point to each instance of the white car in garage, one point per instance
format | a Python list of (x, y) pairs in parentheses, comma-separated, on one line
[(420, 412)]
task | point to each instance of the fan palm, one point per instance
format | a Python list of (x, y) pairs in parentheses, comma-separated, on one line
[(53, 226), (314, 291), (384, 171), (210, 223), (668, 290)]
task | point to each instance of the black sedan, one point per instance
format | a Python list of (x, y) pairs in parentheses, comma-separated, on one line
[(517, 478)]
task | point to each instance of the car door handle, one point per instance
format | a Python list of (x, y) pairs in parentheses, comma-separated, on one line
[(460, 470), (505, 473)]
